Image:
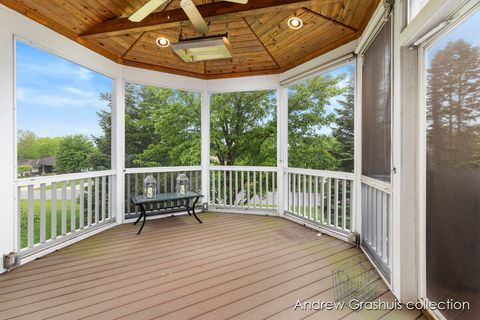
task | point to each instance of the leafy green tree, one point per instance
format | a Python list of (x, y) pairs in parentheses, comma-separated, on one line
[(243, 128), (74, 154), (311, 143), (344, 129), (24, 169), (101, 158), (30, 146)]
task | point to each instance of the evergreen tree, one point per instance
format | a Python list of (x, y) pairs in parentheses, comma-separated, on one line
[(453, 95)]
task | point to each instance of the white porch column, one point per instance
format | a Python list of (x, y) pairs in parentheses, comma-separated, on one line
[(118, 144), (8, 212), (357, 194), (205, 141), (282, 149)]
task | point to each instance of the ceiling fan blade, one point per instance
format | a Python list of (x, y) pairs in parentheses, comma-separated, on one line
[(194, 15), (144, 11), (237, 1)]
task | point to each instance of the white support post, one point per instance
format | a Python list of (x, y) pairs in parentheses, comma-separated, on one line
[(357, 187), (118, 145), (396, 242), (282, 148), (8, 214), (205, 142)]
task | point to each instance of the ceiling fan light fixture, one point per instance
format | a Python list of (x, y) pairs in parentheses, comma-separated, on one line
[(163, 42), (295, 23)]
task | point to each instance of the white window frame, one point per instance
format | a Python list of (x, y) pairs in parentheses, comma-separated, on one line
[(463, 14)]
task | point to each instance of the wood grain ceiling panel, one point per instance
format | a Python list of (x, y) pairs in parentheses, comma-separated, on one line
[(261, 41), (118, 45)]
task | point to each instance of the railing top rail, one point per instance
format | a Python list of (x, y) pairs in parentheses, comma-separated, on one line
[(63, 177), (244, 168), (322, 173), (377, 184), (162, 169)]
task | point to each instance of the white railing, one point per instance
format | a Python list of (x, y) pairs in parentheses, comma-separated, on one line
[(323, 198), (376, 222), (166, 182), (53, 209), (243, 188)]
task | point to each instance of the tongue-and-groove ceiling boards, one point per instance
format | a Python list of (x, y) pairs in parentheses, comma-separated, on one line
[(261, 40)]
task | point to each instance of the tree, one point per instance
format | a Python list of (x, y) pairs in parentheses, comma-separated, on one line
[(243, 128), (163, 127), (311, 142), (29, 146), (74, 154), (101, 159), (454, 100), (344, 129), (21, 170)]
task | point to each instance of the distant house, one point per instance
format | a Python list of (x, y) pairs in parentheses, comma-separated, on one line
[(40, 166)]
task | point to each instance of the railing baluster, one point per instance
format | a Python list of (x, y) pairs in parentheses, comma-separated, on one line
[(64, 208), (304, 196), (81, 205), (329, 203), (261, 191), (336, 203), (128, 205), (219, 188), (110, 197), (242, 185), (236, 189), (295, 198), (316, 200), (230, 189), (267, 190), (310, 197), (224, 188), (89, 202), (53, 210), (254, 189), (104, 203), (43, 213), (212, 188), (97, 200), (31, 216), (378, 222), (385, 227), (73, 212), (248, 189), (274, 203), (344, 204), (322, 204)]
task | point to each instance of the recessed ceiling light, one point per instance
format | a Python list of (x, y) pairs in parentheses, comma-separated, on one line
[(163, 42), (295, 23)]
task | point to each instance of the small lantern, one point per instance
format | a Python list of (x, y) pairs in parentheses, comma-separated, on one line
[(183, 184), (149, 187)]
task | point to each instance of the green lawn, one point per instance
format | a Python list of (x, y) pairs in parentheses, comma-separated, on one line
[(48, 220)]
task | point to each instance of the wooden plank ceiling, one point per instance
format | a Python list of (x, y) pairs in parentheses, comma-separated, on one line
[(262, 42)]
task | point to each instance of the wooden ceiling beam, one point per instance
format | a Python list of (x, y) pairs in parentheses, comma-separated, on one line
[(211, 12)]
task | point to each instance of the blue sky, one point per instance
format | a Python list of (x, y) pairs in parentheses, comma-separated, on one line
[(468, 31), (56, 97)]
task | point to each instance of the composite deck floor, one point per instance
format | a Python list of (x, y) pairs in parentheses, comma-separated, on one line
[(230, 267)]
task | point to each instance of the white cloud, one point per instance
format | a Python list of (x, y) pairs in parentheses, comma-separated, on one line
[(68, 97)]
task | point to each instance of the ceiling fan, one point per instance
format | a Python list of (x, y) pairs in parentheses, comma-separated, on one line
[(187, 5)]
